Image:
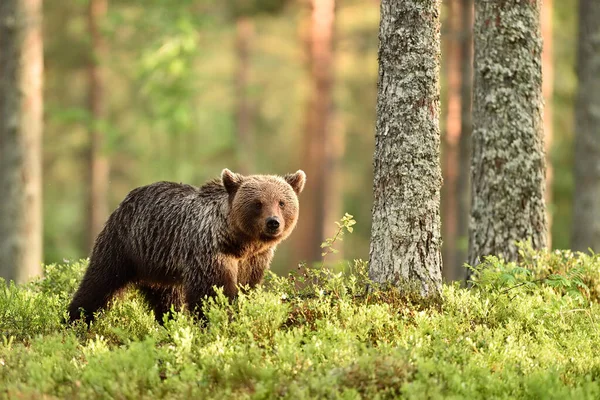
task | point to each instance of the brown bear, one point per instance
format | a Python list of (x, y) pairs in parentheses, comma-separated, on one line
[(175, 241)]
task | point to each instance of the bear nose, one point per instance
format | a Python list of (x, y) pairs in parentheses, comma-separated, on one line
[(272, 223)]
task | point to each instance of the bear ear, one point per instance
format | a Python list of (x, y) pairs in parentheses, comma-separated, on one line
[(296, 180), (231, 181)]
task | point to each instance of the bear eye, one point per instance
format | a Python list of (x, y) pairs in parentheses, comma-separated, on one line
[(281, 203), (258, 205)]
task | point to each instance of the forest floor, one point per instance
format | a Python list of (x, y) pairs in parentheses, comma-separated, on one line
[(523, 331)]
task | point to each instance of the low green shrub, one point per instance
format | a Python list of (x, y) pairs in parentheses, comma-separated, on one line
[(25, 313), (576, 275), (525, 330)]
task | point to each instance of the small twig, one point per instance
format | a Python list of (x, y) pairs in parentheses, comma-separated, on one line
[(521, 284), (512, 287), (328, 250)]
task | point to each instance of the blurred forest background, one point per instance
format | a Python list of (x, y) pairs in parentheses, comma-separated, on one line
[(137, 92)]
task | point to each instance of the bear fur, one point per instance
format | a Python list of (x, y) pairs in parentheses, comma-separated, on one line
[(174, 242)]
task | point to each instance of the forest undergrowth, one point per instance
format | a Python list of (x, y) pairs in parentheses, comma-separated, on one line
[(526, 330)]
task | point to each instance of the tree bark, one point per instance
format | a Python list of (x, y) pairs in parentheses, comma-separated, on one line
[(547, 91), (508, 158), (318, 120), (405, 235), (98, 162), (21, 120), (243, 38), (586, 208)]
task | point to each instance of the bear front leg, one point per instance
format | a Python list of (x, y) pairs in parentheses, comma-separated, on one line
[(252, 270), (222, 273), (161, 298)]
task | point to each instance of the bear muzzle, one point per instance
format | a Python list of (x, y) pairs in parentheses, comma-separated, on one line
[(272, 226)]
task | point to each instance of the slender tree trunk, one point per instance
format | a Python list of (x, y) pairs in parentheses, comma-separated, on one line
[(405, 236), (586, 206), (464, 175), (98, 167), (547, 91), (508, 157), (243, 40), (21, 121), (318, 120), (451, 153)]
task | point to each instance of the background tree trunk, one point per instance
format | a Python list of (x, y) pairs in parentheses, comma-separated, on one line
[(586, 207), (98, 162), (244, 29), (334, 189), (451, 151), (508, 158), (318, 123), (547, 91), (405, 235), (21, 120), (464, 170)]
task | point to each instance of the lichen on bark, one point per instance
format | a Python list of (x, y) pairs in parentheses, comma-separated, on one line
[(405, 236), (507, 203)]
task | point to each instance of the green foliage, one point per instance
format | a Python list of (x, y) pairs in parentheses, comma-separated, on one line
[(521, 332), (575, 275), (347, 222), (25, 314), (61, 279)]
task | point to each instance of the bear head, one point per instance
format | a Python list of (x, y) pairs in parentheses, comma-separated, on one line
[(264, 207)]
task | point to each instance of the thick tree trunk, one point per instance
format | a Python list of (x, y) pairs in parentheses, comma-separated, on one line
[(464, 170), (98, 162), (586, 206), (547, 91), (451, 152), (21, 120), (243, 38), (405, 236), (508, 153), (318, 121)]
